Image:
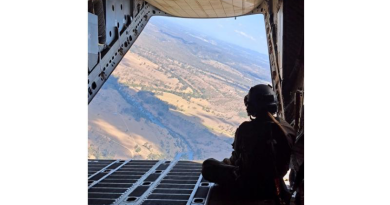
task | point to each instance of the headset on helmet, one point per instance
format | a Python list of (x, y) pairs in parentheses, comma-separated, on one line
[(261, 98)]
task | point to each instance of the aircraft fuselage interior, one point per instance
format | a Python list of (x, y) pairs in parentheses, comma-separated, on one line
[(114, 26)]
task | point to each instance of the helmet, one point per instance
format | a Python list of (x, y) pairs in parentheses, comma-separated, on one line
[(261, 98)]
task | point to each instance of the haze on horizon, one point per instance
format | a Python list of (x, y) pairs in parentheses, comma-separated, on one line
[(244, 31)]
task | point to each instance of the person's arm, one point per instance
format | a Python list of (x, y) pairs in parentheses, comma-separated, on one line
[(232, 159), (237, 144)]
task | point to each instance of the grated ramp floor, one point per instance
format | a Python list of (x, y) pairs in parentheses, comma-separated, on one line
[(146, 182), (152, 182)]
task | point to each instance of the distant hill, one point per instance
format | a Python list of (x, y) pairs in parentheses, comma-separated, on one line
[(177, 93)]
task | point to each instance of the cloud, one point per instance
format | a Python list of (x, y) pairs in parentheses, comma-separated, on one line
[(245, 35)]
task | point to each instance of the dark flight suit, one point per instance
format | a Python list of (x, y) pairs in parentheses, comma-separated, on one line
[(251, 168)]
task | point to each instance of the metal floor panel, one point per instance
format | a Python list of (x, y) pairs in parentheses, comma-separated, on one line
[(172, 191), (97, 166), (118, 177), (145, 182), (115, 180), (100, 201), (177, 186), (185, 169), (106, 190), (97, 176), (119, 181), (169, 196), (103, 195), (111, 185), (139, 191), (156, 202)]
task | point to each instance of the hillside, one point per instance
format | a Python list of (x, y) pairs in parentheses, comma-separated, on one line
[(177, 93)]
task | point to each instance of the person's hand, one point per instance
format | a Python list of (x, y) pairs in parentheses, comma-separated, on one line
[(227, 161)]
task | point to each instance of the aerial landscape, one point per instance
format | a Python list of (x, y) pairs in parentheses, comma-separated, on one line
[(177, 93)]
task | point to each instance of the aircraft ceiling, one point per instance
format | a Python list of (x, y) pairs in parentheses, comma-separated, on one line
[(206, 8)]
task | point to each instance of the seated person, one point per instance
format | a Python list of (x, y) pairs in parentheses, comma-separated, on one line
[(262, 148)]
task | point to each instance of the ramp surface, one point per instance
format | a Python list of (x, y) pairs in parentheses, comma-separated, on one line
[(146, 182), (152, 182)]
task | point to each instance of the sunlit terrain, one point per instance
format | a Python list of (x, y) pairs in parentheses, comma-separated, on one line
[(178, 93)]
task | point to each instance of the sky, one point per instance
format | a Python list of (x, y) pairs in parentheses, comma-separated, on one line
[(245, 31)]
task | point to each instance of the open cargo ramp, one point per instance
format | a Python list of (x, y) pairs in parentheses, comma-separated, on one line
[(152, 182)]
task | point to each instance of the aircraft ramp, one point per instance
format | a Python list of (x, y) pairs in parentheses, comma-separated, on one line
[(146, 182), (154, 182)]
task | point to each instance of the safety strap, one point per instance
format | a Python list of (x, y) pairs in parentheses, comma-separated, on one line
[(271, 142)]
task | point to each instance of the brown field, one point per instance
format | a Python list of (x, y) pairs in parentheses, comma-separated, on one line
[(172, 94)]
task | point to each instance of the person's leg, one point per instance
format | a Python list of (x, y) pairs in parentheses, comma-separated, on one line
[(218, 172)]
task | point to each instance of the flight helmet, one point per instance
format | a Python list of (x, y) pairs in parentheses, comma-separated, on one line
[(260, 99)]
